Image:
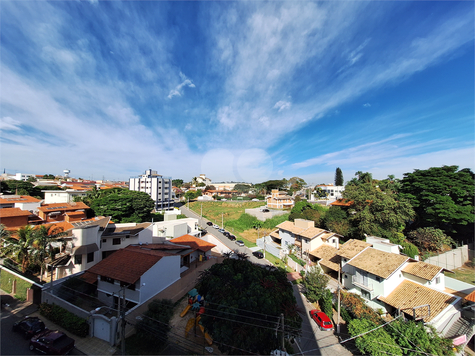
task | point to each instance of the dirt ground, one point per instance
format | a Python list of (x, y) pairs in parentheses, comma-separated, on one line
[(196, 344)]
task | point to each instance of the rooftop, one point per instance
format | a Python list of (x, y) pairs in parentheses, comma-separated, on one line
[(351, 248), (328, 256), (193, 242), (9, 199), (46, 208), (379, 263), (422, 270), (13, 212), (409, 295)]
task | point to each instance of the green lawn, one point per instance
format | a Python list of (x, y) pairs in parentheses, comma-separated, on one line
[(6, 280), (217, 211), (463, 274)]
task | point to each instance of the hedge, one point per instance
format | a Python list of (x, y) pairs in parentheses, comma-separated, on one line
[(71, 322)]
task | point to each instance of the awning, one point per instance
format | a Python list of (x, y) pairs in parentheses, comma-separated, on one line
[(84, 249)]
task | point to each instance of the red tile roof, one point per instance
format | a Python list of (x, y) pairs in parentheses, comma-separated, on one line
[(13, 212), (193, 242), (47, 208), (126, 265), (9, 199)]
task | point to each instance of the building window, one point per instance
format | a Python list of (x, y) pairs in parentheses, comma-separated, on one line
[(90, 257), (107, 279), (437, 280), (116, 241), (104, 240), (77, 259), (346, 277)]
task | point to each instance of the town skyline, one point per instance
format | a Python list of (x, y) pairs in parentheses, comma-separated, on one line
[(242, 91)]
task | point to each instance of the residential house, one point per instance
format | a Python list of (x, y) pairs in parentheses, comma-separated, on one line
[(23, 202), (203, 179), (304, 236), (392, 282), (158, 187), (63, 196), (174, 228), (333, 192), (117, 236), (14, 218), (62, 212), (200, 250), (221, 192), (279, 200)]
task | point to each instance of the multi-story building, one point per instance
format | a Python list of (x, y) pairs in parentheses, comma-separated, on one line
[(158, 187)]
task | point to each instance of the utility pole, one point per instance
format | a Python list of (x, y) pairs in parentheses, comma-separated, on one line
[(338, 319), (283, 344), (122, 343), (222, 220)]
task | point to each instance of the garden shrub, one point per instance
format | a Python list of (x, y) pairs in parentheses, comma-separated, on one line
[(71, 322), (326, 304), (358, 309)]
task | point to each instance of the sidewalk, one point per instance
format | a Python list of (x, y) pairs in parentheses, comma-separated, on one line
[(86, 345)]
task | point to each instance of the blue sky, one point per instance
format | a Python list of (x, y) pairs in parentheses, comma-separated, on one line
[(240, 91)]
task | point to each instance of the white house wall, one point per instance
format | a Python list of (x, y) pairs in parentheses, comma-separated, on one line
[(163, 274), (286, 239)]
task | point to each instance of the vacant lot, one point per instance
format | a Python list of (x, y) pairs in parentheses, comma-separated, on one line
[(228, 210)]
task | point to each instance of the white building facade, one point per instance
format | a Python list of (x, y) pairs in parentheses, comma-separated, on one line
[(158, 187)]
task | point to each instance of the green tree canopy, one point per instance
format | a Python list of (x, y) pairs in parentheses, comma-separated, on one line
[(20, 187), (177, 182), (296, 184), (376, 343), (315, 283), (244, 302), (242, 188), (305, 210), (430, 239), (374, 212), (19, 248), (48, 176), (339, 177), (267, 186), (122, 205), (442, 197), (336, 220)]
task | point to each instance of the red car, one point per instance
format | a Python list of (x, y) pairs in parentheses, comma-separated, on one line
[(322, 320)]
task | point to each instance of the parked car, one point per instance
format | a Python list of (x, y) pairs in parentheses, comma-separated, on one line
[(322, 320), (52, 342), (240, 243), (216, 226), (258, 254), (209, 223), (265, 210), (232, 237), (29, 326), (254, 199), (222, 231), (226, 234)]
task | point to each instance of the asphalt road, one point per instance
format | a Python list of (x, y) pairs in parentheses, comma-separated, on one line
[(224, 240), (13, 343)]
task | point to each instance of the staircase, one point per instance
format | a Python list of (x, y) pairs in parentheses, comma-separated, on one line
[(460, 327)]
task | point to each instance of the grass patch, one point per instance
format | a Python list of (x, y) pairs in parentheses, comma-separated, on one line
[(6, 282), (232, 210), (297, 260), (463, 274), (276, 261)]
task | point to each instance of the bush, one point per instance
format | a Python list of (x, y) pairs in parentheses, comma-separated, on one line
[(325, 303), (357, 308), (71, 322), (409, 249)]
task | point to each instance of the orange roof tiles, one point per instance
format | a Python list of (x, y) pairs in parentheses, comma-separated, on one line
[(13, 212), (409, 295), (46, 208), (328, 256), (471, 297), (126, 265), (193, 242), (8, 199)]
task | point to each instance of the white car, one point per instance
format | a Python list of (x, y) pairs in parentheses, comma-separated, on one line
[(216, 226)]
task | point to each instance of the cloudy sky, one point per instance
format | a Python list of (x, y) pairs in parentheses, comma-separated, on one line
[(240, 91)]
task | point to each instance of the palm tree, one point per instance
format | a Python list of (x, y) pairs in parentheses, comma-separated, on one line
[(42, 244), (19, 247), (194, 181)]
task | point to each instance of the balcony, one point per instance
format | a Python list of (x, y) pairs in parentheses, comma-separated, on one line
[(359, 282)]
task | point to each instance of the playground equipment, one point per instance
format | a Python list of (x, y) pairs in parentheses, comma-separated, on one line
[(183, 313), (192, 322)]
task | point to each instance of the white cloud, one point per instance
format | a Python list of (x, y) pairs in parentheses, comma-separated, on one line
[(178, 91), (7, 123), (367, 105), (282, 105)]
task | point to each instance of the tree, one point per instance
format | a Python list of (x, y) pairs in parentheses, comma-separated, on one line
[(339, 177), (48, 176), (177, 182), (244, 302), (154, 327), (363, 177), (417, 338), (19, 247), (242, 188), (376, 343), (122, 205), (374, 212), (430, 239), (336, 220), (31, 179), (194, 181), (43, 238), (296, 184), (19, 187), (315, 283), (210, 187), (305, 210), (442, 197)]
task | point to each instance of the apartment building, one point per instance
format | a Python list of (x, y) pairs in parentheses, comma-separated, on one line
[(158, 187)]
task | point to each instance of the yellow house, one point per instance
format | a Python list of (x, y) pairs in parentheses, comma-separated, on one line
[(279, 200)]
